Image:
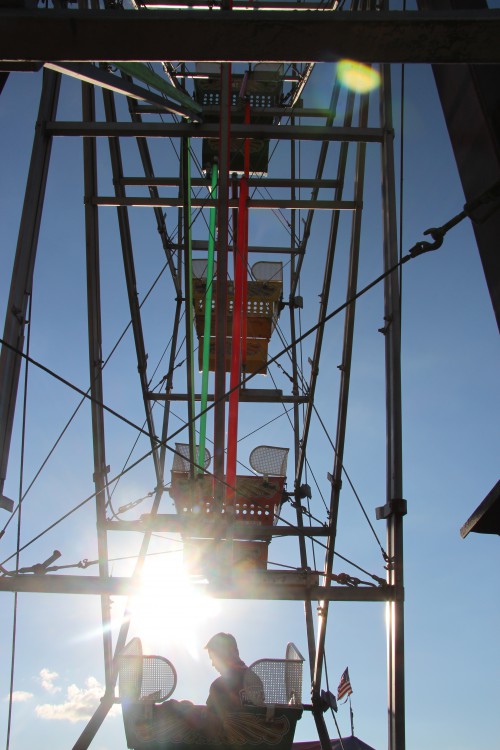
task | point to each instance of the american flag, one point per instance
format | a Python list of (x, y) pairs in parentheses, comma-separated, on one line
[(344, 687)]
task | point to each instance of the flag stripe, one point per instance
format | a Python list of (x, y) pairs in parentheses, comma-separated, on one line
[(344, 687)]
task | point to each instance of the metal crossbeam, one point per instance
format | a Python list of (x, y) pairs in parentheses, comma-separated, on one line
[(204, 529), (262, 182), (211, 130), (280, 36), (247, 395), (260, 588), (263, 203)]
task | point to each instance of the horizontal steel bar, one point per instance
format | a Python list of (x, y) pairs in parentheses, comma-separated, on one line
[(264, 182), (252, 588), (244, 397), (263, 249), (284, 111), (253, 5), (466, 36), (205, 529), (211, 130), (261, 203)]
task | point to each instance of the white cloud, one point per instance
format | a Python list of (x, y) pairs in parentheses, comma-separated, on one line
[(19, 696), (80, 704), (47, 681)]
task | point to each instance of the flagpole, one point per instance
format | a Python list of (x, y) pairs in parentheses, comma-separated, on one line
[(352, 716)]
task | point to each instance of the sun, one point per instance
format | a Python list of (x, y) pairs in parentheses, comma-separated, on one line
[(170, 611)]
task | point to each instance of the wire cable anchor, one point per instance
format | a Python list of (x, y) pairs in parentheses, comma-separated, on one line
[(489, 200)]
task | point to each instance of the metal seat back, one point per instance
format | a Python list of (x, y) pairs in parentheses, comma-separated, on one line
[(281, 679), (143, 676)]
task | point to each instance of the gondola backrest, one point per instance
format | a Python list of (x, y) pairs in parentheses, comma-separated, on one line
[(281, 679), (144, 677)]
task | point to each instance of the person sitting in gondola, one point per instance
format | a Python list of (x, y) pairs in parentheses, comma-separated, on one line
[(237, 684), (236, 687)]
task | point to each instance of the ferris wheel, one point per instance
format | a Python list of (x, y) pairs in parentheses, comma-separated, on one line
[(225, 305)]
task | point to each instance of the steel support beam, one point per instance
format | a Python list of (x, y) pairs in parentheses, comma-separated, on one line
[(95, 365), (324, 297), (130, 278), (343, 398), (147, 164), (289, 36), (22, 274), (272, 397), (261, 182), (221, 293), (394, 458), (175, 524), (320, 166), (262, 203), (210, 109), (259, 588), (211, 130), (263, 249), (95, 722)]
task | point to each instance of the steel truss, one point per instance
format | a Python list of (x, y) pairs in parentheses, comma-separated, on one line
[(347, 184)]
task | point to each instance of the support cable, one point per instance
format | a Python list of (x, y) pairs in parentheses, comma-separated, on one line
[(76, 410), (86, 563), (380, 581), (344, 471), (491, 195), (418, 249)]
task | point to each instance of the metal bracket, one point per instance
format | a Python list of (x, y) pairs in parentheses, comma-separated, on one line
[(6, 503), (395, 507)]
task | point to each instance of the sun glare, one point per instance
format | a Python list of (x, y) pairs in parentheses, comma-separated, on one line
[(170, 610), (357, 77)]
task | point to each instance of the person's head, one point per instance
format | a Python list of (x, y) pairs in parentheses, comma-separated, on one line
[(223, 651)]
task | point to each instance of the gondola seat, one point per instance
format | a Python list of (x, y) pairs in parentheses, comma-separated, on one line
[(153, 722)]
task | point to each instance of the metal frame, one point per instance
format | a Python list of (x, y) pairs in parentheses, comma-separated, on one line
[(457, 36), (315, 36)]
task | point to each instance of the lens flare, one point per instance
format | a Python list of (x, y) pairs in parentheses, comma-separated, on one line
[(357, 77)]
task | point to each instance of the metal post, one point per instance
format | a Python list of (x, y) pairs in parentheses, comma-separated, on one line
[(188, 293), (24, 264), (395, 507), (325, 292), (311, 644), (95, 364), (221, 285), (130, 277), (343, 400), (319, 173), (147, 165)]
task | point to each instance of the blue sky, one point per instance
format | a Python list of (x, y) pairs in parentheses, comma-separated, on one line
[(450, 362)]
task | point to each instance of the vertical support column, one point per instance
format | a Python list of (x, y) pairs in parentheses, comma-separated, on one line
[(343, 400), (130, 278), (22, 274), (188, 290), (221, 303), (308, 613), (95, 363), (208, 320), (394, 509), (244, 247), (236, 345)]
